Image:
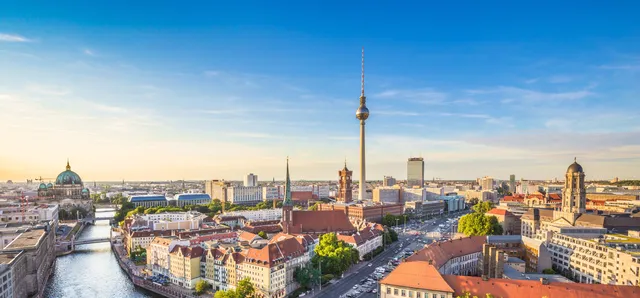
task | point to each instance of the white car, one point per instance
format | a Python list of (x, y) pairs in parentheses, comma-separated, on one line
[(370, 265)]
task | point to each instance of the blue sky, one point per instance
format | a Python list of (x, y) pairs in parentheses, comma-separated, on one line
[(202, 91)]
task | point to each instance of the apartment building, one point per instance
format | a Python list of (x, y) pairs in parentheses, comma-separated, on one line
[(365, 241), (510, 223), (142, 239), (605, 259), (38, 213), (258, 215), (458, 256), (170, 220), (184, 265), (244, 195), (158, 254)]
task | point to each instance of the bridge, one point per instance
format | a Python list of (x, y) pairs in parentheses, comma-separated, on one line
[(90, 241), (92, 220)]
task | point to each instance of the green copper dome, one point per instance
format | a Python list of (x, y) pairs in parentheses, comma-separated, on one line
[(42, 186), (68, 177)]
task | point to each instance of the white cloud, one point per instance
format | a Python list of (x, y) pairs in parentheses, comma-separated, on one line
[(511, 94), (558, 79), (89, 52), (424, 96), (531, 81), (51, 90), (13, 38)]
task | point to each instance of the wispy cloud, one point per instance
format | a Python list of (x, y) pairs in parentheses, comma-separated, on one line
[(398, 113), (478, 116), (89, 52), (511, 94), (51, 90), (212, 73), (558, 79), (531, 81), (5, 37), (630, 66), (426, 96)]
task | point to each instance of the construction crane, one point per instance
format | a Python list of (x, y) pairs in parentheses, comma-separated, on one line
[(42, 179)]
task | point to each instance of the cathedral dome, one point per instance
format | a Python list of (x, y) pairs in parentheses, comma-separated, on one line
[(575, 167), (68, 177), (49, 185), (42, 186)]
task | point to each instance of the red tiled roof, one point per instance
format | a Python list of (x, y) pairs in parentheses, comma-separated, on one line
[(150, 234), (441, 252), (554, 196), (361, 237), (516, 198), (496, 211), (417, 275), (503, 288), (279, 248), (190, 252), (247, 236), (320, 222), (302, 195)]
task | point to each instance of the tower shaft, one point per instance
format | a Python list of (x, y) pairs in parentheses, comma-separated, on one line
[(363, 179)]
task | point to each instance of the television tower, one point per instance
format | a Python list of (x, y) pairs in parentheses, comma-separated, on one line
[(362, 113)]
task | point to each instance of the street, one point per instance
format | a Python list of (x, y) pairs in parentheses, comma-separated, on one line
[(363, 271)]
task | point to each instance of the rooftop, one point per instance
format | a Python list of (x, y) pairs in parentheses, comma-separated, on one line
[(192, 196), (8, 258), (146, 198), (26, 240), (417, 275)]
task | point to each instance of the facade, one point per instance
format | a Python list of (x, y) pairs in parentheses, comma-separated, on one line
[(453, 203), (510, 223), (251, 180), (142, 239), (38, 248), (244, 195), (415, 172), (512, 183), (171, 220), (13, 271), (425, 209), (185, 265), (32, 214), (487, 183), (272, 193), (258, 215), (414, 194), (158, 254), (415, 279), (365, 241), (345, 194), (148, 201), (369, 212), (217, 189), (68, 185), (388, 181), (387, 195), (186, 199)]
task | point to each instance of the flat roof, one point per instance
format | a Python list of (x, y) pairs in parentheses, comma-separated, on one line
[(27, 239), (7, 258)]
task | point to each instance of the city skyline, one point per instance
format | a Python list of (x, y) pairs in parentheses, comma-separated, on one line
[(219, 93)]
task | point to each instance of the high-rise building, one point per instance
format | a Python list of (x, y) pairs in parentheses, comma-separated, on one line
[(388, 181), (486, 183), (362, 113), (344, 189), (251, 180), (512, 183), (415, 172)]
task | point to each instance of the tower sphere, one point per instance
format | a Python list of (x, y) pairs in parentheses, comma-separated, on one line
[(575, 167), (362, 113)]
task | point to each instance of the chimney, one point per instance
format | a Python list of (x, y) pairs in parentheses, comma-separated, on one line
[(544, 281), (430, 262)]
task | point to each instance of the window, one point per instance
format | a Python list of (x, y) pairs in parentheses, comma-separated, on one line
[(417, 294), (403, 293), (410, 294), (388, 290), (395, 291)]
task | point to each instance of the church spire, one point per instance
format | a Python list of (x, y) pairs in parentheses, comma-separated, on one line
[(68, 166), (287, 188)]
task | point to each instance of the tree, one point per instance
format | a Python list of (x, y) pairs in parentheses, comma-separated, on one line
[(335, 256), (473, 201), (478, 224), (549, 271), (393, 235), (201, 286), (262, 234), (314, 207), (307, 276), (244, 289)]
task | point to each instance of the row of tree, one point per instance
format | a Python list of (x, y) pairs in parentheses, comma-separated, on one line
[(479, 224), (391, 220)]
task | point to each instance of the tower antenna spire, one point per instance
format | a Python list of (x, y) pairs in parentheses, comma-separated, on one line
[(362, 91)]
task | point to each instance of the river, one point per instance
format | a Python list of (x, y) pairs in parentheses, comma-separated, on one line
[(92, 270)]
